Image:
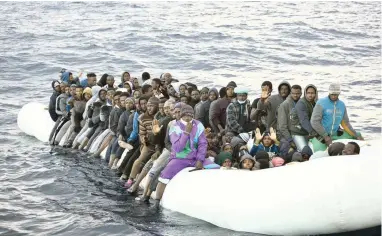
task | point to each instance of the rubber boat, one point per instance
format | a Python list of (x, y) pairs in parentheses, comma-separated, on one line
[(328, 195)]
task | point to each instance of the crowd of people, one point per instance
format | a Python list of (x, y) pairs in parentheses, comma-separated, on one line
[(151, 128)]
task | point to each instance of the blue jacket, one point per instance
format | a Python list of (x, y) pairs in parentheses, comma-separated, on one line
[(328, 115), (273, 148), (134, 134)]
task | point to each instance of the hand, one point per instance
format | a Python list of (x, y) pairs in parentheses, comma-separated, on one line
[(265, 93), (273, 134), (199, 165), (258, 136), (211, 153), (156, 127), (328, 140), (207, 131), (189, 127)]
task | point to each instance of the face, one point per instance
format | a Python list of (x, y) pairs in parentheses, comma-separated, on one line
[(227, 163), (110, 81), (266, 88), (212, 96), (242, 97), (62, 87), (129, 105), (184, 99), (79, 93), (102, 95), (161, 108), (87, 96), (126, 77), (137, 94), (57, 88), (247, 164), (296, 94), (182, 89), (150, 92), (177, 113), (228, 148), (167, 110), (73, 91), (142, 105), (136, 83), (284, 91), (127, 86), (122, 101), (67, 90), (195, 95), (70, 77), (137, 105), (204, 96), (92, 81), (228, 137), (267, 141), (230, 92), (154, 85), (334, 97), (110, 95), (349, 150), (310, 94), (171, 90), (187, 93), (187, 118), (151, 109)]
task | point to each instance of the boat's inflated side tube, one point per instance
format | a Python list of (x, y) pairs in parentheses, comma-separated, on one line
[(33, 119), (329, 195)]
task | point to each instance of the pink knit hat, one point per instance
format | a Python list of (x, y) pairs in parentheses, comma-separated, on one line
[(277, 161)]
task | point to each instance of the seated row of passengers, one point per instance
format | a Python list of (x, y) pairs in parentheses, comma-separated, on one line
[(151, 128)]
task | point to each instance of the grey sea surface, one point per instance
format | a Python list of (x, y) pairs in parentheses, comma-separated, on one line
[(210, 42)]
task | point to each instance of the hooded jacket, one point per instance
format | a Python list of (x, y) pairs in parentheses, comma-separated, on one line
[(61, 104), (52, 103), (327, 117), (95, 91), (65, 77), (125, 123), (94, 110), (272, 105), (304, 110), (218, 113)]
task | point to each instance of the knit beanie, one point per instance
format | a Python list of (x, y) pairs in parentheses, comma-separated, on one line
[(241, 90), (154, 101), (244, 137), (334, 88), (297, 157), (186, 110), (130, 99), (262, 155), (222, 157), (204, 90), (307, 151), (277, 161), (336, 149), (231, 84), (247, 156)]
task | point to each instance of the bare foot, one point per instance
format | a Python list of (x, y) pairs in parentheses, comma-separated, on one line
[(125, 145)]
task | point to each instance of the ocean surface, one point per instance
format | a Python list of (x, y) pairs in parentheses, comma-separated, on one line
[(207, 43)]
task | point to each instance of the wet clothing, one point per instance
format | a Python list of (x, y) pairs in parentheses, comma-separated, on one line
[(52, 105)]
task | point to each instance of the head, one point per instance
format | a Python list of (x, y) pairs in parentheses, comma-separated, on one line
[(182, 89), (204, 94), (267, 85), (296, 92), (102, 81), (334, 91), (127, 85), (161, 107), (145, 76), (125, 76), (147, 90), (116, 101), (155, 83), (122, 99), (102, 94), (152, 106), (187, 113), (142, 104), (195, 95), (73, 90), (267, 141), (171, 90), (110, 94), (224, 159), (56, 86), (87, 93), (92, 79), (336, 149), (168, 107), (79, 91), (137, 94), (284, 89), (351, 148), (67, 90), (167, 77), (241, 95), (184, 99), (311, 93), (306, 152), (129, 104), (63, 85), (246, 162), (227, 148), (230, 89), (213, 94), (228, 136), (223, 92), (136, 84), (110, 81)]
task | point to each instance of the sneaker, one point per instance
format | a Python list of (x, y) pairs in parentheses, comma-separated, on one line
[(128, 183)]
